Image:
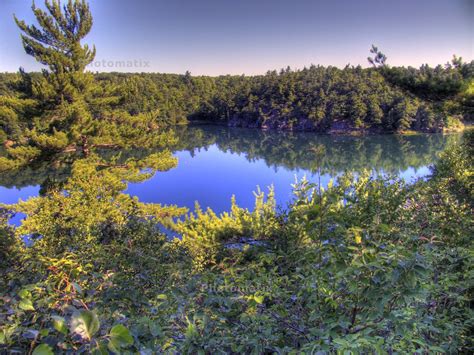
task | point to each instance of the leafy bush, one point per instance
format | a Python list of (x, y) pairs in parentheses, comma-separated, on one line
[(208, 237), (369, 264)]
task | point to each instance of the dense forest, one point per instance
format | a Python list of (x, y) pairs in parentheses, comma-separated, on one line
[(370, 264), (323, 99)]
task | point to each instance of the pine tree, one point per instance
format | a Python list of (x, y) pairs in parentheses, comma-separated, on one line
[(400, 116), (76, 112), (57, 44), (64, 89), (375, 112), (358, 110), (379, 59), (424, 118)]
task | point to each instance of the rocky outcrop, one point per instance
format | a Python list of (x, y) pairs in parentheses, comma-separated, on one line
[(301, 124), (276, 122), (8, 143)]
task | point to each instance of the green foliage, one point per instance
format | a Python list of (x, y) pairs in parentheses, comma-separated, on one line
[(119, 337), (43, 349), (64, 90), (9, 247), (12, 113), (56, 141), (65, 109), (448, 87), (57, 44), (369, 264), (400, 116), (378, 59), (17, 157), (61, 211), (85, 324), (315, 98), (208, 238)]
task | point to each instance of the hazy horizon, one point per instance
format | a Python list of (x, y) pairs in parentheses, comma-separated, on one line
[(221, 37)]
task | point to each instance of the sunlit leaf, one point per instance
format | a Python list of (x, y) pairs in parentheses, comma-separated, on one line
[(26, 305), (119, 337), (59, 323), (43, 349), (85, 323)]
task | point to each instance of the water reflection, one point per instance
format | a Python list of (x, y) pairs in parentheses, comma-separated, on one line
[(388, 153), (216, 162)]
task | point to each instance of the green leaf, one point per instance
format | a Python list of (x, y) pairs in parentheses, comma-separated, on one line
[(59, 323), (155, 329), (26, 305), (85, 323), (191, 330), (119, 337), (259, 299), (24, 294), (162, 297), (77, 287), (43, 349), (101, 349), (384, 228)]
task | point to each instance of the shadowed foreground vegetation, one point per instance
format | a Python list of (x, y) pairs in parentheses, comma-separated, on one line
[(370, 264)]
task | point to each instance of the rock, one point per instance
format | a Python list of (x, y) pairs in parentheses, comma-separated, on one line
[(8, 143)]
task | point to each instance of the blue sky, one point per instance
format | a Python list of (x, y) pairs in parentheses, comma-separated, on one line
[(215, 37)]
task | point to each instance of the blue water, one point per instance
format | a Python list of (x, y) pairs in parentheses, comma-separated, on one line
[(212, 176), (215, 163), (12, 195)]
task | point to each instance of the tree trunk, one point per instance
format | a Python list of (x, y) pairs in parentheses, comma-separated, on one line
[(85, 146)]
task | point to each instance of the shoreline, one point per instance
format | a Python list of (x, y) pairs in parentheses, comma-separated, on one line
[(336, 132)]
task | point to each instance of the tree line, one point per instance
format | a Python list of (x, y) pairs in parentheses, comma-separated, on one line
[(322, 99)]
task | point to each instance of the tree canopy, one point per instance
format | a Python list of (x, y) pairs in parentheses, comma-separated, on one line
[(370, 264)]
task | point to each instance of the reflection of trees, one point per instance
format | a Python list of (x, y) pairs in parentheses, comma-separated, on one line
[(131, 164), (43, 173), (390, 153)]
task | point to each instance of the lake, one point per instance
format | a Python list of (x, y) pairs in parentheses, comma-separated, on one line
[(216, 162)]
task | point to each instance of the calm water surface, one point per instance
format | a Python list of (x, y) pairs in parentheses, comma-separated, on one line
[(217, 162)]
